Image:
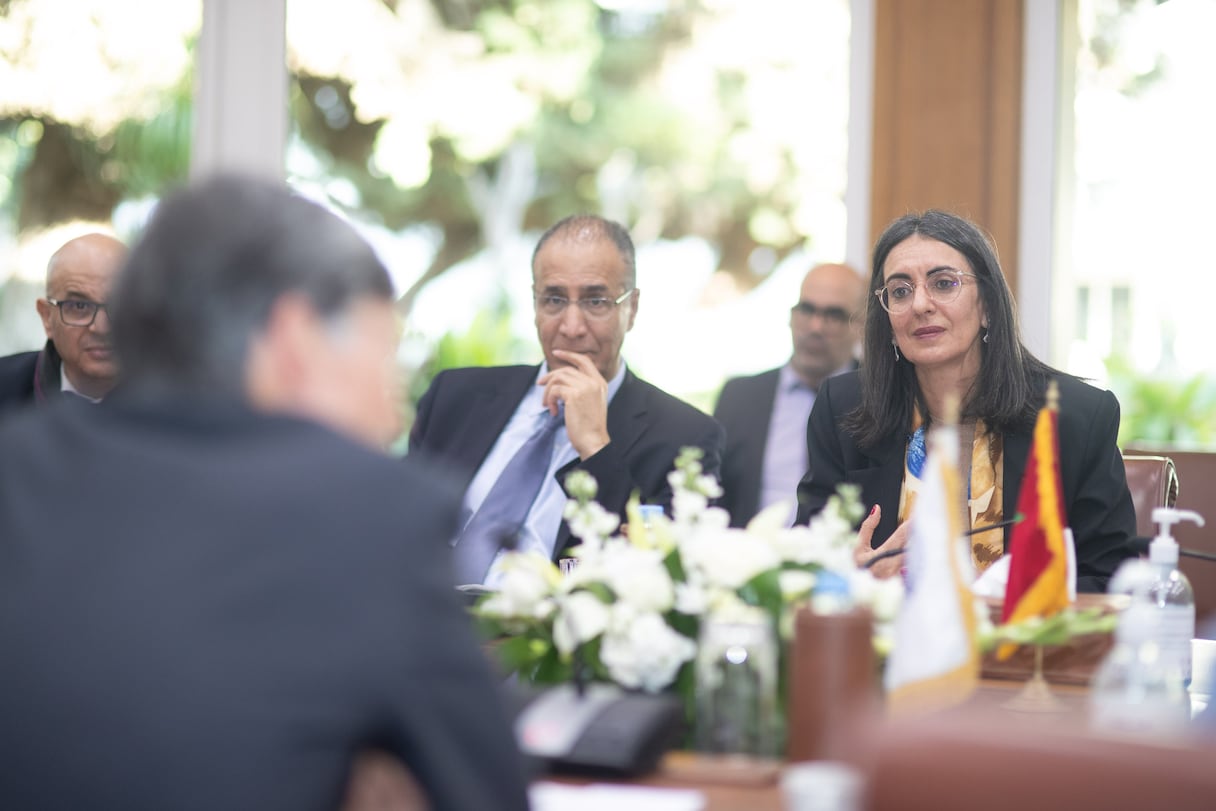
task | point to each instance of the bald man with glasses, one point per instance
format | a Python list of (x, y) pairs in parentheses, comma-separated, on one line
[(765, 415), (77, 357), (513, 433)]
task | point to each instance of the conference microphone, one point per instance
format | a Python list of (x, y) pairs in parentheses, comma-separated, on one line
[(890, 553), (1137, 546), (591, 728)]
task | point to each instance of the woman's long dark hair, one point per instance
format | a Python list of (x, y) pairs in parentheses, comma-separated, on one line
[(1007, 391)]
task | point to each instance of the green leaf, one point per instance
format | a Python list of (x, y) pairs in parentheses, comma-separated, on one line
[(601, 592), (764, 590), (589, 654), (551, 669), (675, 566), (686, 624), (1057, 629), (518, 654)]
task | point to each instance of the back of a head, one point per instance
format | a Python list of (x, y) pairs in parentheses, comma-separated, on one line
[(215, 256)]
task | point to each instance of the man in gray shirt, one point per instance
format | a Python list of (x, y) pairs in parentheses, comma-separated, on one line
[(765, 415)]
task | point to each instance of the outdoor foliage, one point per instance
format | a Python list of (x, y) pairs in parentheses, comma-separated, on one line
[(1163, 410)]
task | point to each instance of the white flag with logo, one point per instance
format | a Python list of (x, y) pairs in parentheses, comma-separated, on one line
[(934, 662)]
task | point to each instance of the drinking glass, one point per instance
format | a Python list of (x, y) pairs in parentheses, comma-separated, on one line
[(822, 786), (736, 686)]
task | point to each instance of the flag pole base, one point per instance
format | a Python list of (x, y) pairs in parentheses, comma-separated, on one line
[(1036, 695)]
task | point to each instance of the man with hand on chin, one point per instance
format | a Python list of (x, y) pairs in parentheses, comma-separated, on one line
[(582, 409)]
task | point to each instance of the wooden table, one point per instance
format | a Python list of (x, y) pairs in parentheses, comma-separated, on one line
[(743, 784), (728, 783), (1069, 704)]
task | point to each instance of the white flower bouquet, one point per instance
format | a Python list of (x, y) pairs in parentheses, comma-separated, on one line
[(629, 612)]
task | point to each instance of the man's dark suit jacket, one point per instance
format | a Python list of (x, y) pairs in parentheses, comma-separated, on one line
[(745, 409), (464, 410), (1097, 502), (205, 608), (29, 377)]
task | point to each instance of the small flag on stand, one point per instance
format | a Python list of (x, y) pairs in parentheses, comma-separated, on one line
[(1038, 584), (934, 662)]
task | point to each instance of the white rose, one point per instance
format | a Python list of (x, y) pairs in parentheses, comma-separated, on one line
[(820, 543), (525, 587), (727, 557), (647, 654), (714, 518), (580, 618), (795, 583), (725, 604), (621, 618), (730, 609), (691, 598), (638, 576)]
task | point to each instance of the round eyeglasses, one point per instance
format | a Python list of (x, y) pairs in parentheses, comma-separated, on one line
[(553, 305), (77, 312), (942, 287)]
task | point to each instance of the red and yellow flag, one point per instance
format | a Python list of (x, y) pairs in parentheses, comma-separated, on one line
[(1038, 559)]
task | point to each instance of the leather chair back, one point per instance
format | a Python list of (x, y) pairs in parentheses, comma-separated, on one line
[(1153, 482), (1199, 469), (1003, 763)]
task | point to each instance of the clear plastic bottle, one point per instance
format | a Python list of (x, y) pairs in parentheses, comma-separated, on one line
[(1171, 591), (649, 513), (831, 594), (1138, 689)]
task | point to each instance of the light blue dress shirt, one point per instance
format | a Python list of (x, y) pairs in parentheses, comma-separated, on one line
[(785, 459), (785, 454), (539, 532)]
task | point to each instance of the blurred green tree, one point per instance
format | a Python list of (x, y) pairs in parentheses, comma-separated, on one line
[(478, 119)]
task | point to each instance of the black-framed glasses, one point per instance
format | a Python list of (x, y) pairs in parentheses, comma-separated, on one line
[(77, 312), (551, 304), (832, 316), (942, 287)]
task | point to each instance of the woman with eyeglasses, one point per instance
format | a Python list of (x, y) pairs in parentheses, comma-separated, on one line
[(941, 333)]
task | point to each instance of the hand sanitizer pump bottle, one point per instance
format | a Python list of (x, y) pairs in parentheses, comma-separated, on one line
[(1137, 690), (1171, 591)]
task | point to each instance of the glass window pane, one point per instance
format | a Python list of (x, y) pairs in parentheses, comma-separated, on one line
[(1139, 203), (716, 132), (94, 120)]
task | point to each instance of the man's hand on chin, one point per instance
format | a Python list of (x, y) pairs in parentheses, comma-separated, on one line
[(583, 390)]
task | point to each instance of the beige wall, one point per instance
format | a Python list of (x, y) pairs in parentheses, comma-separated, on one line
[(947, 114)]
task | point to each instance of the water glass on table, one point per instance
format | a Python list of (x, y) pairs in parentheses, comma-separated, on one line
[(736, 686)]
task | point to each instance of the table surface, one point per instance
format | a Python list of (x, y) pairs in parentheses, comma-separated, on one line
[(729, 783), (733, 783)]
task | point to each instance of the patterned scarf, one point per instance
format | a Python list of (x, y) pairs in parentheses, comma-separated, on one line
[(985, 481)]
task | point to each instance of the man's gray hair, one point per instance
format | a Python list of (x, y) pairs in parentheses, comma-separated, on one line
[(201, 281)]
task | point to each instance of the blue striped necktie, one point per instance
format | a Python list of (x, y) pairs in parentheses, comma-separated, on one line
[(498, 520)]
